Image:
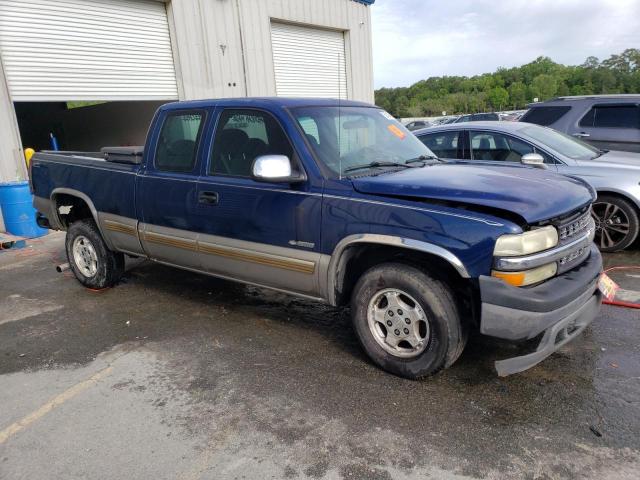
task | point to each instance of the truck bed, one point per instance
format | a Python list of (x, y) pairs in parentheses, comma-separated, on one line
[(109, 185)]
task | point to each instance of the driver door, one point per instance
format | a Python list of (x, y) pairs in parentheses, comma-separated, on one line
[(258, 232)]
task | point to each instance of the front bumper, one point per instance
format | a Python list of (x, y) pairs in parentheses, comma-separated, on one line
[(561, 308)]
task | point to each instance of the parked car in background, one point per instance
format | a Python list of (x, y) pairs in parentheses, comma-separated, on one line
[(417, 125), (477, 117), (608, 122), (337, 202), (614, 175)]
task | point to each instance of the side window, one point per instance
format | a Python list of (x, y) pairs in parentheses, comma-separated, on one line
[(498, 147), (443, 144), (544, 115), (588, 119), (619, 116), (241, 137), (178, 141)]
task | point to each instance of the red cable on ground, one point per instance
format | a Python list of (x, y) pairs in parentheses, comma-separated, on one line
[(620, 303)]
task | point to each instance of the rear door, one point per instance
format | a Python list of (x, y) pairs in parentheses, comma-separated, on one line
[(611, 126), (263, 233), (447, 144), (168, 187)]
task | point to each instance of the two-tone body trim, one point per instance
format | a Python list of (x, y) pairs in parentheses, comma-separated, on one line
[(169, 240), (114, 226), (285, 263)]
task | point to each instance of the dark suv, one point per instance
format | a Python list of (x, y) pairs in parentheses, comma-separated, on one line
[(478, 117), (609, 122)]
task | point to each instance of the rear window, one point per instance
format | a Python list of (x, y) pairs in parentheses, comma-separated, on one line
[(612, 116), (544, 115)]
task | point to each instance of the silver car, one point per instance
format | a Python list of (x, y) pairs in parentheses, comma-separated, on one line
[(614, 175)]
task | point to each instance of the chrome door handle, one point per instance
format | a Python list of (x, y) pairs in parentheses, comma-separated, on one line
[(581, 135)]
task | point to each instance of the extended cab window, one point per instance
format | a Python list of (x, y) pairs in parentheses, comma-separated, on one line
[(241, 137), (443, 144), (178, 141), (497, 147), (612, 116)]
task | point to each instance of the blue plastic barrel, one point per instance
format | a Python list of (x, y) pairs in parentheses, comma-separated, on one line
[(17, 210)]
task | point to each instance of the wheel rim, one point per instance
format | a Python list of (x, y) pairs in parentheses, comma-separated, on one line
[(85, 256), (612, 224), (398, 323)]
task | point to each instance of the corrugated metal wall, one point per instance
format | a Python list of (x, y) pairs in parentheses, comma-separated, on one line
[(208, 70)]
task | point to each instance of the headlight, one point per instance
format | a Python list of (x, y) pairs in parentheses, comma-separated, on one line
[(527, 277), (525, 243)]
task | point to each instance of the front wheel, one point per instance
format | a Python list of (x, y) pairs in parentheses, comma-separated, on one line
[(617, 223), (91, 261), (407, 321)]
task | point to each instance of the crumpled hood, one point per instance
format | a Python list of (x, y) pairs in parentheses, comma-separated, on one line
[(532, 193)]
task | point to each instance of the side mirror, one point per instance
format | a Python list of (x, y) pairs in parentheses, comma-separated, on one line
[(534, 160), (274, 169)]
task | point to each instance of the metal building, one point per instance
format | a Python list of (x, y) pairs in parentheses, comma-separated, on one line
[(136, 54)]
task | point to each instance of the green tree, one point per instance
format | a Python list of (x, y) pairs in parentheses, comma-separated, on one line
[(544, 86), (498, 97), (518, 95), (542, 78)]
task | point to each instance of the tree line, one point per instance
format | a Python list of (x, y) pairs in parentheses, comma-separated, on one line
[(513, 88)]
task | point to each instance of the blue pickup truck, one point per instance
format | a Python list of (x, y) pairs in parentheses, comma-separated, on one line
[(336, 201)]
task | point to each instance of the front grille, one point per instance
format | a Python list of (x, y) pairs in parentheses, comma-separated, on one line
[(568, 231), (575, 227)]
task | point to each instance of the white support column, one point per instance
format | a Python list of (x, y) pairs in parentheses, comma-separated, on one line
[(12, 165)]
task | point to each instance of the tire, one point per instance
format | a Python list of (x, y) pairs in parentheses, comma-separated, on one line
[(436, 336), (617, 223), (93, 264)]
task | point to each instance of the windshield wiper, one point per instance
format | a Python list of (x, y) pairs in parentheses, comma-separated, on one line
[(377, 164), (422, 158)]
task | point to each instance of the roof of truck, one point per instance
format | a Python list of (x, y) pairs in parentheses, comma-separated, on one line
[(265, 102)]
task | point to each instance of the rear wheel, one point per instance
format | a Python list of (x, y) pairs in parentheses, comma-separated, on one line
[(407, 321), (91, 261), (617, 223)]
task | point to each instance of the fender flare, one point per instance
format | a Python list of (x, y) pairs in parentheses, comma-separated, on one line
[(82, 196), (407, 243)]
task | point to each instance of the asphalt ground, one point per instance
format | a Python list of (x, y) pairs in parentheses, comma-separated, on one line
[(181, 376)]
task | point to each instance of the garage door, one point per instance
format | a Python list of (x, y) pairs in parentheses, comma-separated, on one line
[(86, 50), (308, 62)]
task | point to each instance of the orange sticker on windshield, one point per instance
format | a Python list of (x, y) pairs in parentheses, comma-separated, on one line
[(396, 131)]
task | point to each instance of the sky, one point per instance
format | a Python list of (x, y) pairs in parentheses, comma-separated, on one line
[(417, 39)]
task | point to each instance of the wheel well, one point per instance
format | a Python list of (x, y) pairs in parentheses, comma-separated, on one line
[(70, 208), (620, 196), (357, 259)]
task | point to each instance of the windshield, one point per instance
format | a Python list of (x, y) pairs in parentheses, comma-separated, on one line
[(347, 137), (564, 144)]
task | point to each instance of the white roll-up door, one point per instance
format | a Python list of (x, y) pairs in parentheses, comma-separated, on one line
[(308, 62), (86, 50)]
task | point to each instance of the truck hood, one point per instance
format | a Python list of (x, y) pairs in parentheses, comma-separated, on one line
[(533, 194)]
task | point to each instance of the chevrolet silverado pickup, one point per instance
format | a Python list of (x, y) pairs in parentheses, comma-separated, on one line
[(336, 201)]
